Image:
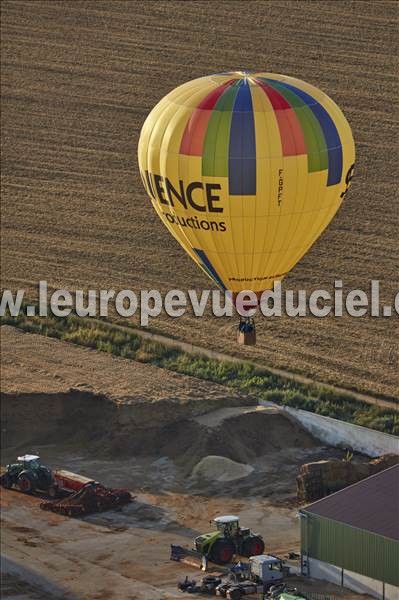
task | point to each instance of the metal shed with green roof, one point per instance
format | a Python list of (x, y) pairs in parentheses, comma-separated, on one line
[(352, 537)]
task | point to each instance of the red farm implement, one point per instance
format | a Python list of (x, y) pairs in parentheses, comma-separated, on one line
[(92, 497)]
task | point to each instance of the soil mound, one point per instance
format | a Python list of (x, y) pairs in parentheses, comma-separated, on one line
[(219, 468), (241, 438), (83, 420)]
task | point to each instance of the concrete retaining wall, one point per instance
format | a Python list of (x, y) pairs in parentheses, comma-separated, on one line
[(363, 585), (391, 592), (318, 569), (324, 571), (333, 432)]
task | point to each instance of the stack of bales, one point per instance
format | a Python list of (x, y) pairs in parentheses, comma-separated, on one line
[(319, 479)]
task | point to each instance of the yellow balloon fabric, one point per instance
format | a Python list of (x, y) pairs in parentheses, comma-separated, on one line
[(246, 170)]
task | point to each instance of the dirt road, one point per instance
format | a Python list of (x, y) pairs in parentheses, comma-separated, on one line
[(79, 78)]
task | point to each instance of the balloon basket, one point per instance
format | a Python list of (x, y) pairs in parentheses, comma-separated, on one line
[(246, 334)]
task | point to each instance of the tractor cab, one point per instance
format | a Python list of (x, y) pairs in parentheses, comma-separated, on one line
[(228, 526), (267, 569), (30, 461)]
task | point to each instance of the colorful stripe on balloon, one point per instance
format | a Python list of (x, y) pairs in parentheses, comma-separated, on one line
[(221, 130), (209, 268)]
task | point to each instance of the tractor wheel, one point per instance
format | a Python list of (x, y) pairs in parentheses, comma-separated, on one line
[(44, 478), (25, 484), (253, 546), (222, 552), (6, 481), (235, 594)]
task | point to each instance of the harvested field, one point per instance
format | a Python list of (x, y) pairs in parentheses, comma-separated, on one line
[(78, 79), (33, 364)]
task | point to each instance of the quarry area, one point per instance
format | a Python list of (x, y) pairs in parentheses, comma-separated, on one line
[(187, 449)]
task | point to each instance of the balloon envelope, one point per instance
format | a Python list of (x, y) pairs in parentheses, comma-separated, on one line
[(246, 170)]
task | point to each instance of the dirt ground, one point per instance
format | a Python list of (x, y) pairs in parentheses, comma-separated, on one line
[(117, 555), (125, 553), (127, 428), (79, 78)]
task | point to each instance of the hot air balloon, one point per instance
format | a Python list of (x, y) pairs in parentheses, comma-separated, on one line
[(246, 170)]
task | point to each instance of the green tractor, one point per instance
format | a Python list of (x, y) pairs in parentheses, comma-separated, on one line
[(229, 539), (29, 476), (282, 591)]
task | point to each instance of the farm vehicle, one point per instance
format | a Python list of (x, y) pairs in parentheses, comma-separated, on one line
[(284, 592), (70, 494), (261, 575), (221, 545), (29, 475), (227, 540), (90, 498)]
